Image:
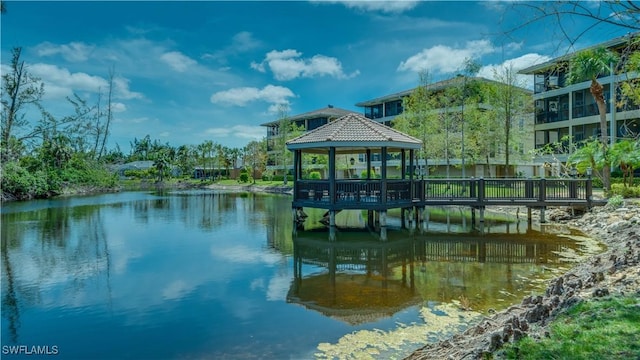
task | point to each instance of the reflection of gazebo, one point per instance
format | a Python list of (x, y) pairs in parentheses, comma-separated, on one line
[(358, 285), (354, 136)]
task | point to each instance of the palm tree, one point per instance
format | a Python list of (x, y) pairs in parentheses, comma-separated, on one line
[(588, 65), (626, 155)]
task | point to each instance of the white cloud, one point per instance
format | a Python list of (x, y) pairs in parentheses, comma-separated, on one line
[(445, 59), (239, 131), (244, 255), (394, 6), (118, 107), (244, 95), (122, 91), (240, 43), (73, 51), (516, 64), (288, 65), (178, 61), (60, 82)]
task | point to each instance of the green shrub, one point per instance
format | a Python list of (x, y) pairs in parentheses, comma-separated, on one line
[(138, 174), (315, 175), (615, 201), (22, 183), (244, 177), (625, 191), (596, 182), (281, 178)]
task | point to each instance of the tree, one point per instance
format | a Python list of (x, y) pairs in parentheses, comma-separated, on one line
[(283, 126), (19, 89), (287, 130), (625, 154), (162, 164), (509, 102), (622, 14), (255, 156), (630, 88), (420, 119), (587, 154), (588, 65), (470, 69), (102, 133)]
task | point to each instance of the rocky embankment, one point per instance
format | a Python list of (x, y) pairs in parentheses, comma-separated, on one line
[(613, 272)]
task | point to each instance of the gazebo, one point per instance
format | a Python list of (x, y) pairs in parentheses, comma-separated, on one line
[(337, 145)]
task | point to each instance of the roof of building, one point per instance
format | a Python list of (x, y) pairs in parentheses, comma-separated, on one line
[(328, 112), (613, 43), (354, 131), (437, 86)]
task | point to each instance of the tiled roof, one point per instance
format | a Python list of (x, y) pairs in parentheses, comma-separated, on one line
[(354, 130), (328, 112)]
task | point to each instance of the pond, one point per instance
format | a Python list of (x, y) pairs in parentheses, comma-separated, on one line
[(209, 274)]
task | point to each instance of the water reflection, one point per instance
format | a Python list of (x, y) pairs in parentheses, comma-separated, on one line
[(204, 274), (364, 279), (70, 247), (358, 285)]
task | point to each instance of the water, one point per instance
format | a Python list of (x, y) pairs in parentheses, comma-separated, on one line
[(206, 274)]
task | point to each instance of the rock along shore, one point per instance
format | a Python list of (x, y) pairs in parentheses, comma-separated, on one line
[(615, 272)]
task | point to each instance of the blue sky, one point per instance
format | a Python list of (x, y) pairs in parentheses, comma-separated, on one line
[(186, 72)]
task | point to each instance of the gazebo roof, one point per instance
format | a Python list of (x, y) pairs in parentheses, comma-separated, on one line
[(354, 131)]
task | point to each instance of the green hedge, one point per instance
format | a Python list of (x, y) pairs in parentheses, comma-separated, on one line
[(624, 191)]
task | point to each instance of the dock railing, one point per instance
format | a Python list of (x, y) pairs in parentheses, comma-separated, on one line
[(449, 191)]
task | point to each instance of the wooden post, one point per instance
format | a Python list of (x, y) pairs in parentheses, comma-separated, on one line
[(294, 213), (383, 225), (332, 225), (332, 175)]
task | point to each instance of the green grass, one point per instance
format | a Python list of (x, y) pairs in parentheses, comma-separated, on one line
[(598, 329)]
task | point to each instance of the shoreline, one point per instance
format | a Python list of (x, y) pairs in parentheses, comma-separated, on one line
[(614, 272)]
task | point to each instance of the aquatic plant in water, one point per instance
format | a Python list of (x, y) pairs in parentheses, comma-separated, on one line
[(440, 321)]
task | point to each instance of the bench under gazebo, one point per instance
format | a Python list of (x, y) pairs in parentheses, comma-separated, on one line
[(325, 170)]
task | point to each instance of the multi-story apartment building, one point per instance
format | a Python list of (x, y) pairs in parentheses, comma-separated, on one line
[(569, 111), (386, 108), (308, 121)]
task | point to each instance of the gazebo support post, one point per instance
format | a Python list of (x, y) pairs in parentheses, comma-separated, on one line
[(383, 225), (332, 225)]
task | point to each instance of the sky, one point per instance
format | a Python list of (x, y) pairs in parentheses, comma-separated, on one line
[(186, 72)]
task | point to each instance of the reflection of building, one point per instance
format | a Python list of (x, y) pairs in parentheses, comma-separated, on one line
[(563, 109)]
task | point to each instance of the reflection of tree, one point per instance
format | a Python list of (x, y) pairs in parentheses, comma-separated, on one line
[(10, 308), (71, 241)]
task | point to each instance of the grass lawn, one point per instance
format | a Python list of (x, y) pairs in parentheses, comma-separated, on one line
[(597, 329)]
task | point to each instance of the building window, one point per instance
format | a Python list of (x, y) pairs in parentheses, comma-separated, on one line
[(539, 83), (315, 123), (373, 112), (393, 108)]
